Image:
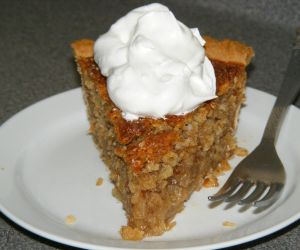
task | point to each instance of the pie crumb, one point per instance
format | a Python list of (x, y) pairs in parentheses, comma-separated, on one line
[(210, 181), (229, 224), (70, 219), (222, 167), (99, 181), (239, 151)]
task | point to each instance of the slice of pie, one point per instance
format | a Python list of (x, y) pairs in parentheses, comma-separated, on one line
[(156, 164)]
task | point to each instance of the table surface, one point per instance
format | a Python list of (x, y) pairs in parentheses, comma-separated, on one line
[(36, 62)]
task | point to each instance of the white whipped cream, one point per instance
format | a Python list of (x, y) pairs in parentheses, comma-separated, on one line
[(155, 65)]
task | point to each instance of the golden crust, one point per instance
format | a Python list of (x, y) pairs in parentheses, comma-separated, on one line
[(83, 48), (228, 51)]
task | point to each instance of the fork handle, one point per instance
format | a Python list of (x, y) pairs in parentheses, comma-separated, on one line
[(287, 93)]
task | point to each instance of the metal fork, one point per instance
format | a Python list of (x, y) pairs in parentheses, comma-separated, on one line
[(262, 170)]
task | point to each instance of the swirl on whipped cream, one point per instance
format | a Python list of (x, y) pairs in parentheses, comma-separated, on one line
[(154, 64)]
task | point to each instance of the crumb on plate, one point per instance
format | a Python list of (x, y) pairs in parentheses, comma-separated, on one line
[(229, 224), (70, 219), (240, 151), (99, 181)]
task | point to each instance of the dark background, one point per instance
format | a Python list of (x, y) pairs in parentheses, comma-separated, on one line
[(36, 62)]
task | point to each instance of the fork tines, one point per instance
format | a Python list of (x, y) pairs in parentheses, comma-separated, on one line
[(261, 195)]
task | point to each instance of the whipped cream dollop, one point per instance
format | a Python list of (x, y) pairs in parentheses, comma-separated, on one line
[(154, 64)]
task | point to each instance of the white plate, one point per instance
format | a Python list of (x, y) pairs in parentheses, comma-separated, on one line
[(49, 167)]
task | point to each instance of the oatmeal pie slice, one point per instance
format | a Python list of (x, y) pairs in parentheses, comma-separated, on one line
[(156, 164)]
